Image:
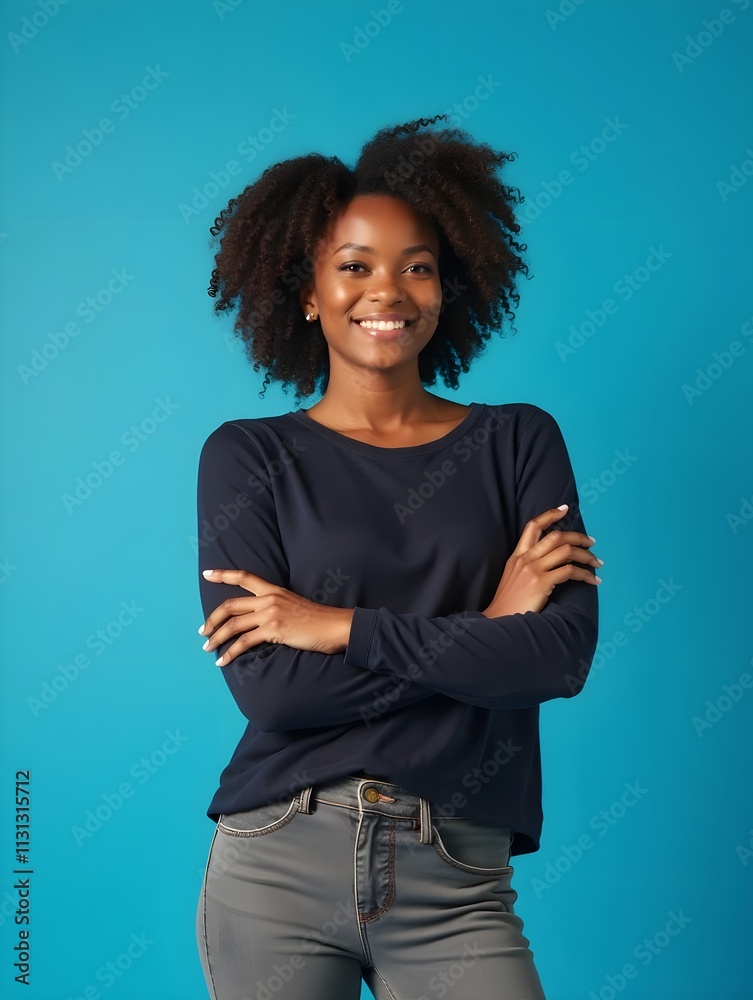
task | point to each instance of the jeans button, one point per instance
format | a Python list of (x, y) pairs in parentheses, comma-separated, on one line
[(371, 795)]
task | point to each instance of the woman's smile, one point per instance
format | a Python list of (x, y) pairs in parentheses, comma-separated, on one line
[(383, 330)]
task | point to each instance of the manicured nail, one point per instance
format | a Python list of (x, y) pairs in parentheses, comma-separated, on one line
[(591, 537), (598, 579), (207, 572), (600, 562), (205, 644), (563, 506), (218, 663), (201, 630)]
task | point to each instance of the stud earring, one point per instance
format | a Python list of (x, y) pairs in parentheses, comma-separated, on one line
[(310, 316)]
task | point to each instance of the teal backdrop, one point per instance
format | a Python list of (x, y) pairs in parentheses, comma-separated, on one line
[(126, 127)]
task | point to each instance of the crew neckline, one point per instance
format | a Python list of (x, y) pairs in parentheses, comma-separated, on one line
[(468, 421)]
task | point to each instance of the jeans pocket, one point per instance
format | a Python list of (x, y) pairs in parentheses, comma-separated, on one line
[(260, 820), (471, 847)]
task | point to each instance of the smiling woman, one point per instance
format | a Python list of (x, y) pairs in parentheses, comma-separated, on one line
[(311, 219), (379, 588)]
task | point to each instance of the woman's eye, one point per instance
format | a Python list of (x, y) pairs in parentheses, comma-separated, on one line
[(345, 267)]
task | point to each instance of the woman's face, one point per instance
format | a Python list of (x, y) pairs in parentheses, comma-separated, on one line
[(392, 269)]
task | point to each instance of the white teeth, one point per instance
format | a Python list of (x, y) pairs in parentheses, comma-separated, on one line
[(370, 324)]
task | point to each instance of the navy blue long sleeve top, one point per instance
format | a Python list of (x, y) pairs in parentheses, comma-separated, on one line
[(429, 692)]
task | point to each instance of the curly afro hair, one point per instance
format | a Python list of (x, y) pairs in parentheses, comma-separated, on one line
[(269, 233)]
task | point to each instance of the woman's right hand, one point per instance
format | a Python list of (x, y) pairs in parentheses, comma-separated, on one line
[(538, 564)]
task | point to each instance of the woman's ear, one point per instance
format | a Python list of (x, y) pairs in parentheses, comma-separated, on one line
[(308, 300)]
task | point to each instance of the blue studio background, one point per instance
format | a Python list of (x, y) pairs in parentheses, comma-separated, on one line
[(633, 127)]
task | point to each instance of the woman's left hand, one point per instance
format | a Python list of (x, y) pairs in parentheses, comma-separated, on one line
[(272, 614)]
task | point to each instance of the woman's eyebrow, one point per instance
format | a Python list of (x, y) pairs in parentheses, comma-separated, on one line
[(363, 249)]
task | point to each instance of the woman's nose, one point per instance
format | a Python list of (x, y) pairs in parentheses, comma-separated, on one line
[(385, 291)]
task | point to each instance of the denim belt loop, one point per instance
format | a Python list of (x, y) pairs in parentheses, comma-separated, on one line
[(425, 812), (304, 799)]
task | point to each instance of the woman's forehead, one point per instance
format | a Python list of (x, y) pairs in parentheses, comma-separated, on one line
[(368, 219)]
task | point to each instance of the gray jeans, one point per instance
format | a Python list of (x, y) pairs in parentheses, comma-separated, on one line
[(359, 880)]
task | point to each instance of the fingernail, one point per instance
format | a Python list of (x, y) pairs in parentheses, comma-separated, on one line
[(218, 663), (563, 506), (598, 579), (600, 562), (205, 644), (591, 537), (201, 630), (207, 572)]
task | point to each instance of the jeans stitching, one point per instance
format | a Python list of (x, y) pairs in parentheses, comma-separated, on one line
[(366, 917), (365, 809), (204, 916), (361, 930), (460, 865), (392, 995), (379, 812), (260, 831)]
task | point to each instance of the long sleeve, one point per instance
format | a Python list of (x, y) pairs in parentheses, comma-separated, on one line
[(514, 661), (276, 687)]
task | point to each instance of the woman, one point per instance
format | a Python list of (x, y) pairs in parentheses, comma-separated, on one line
[(392, 607)]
